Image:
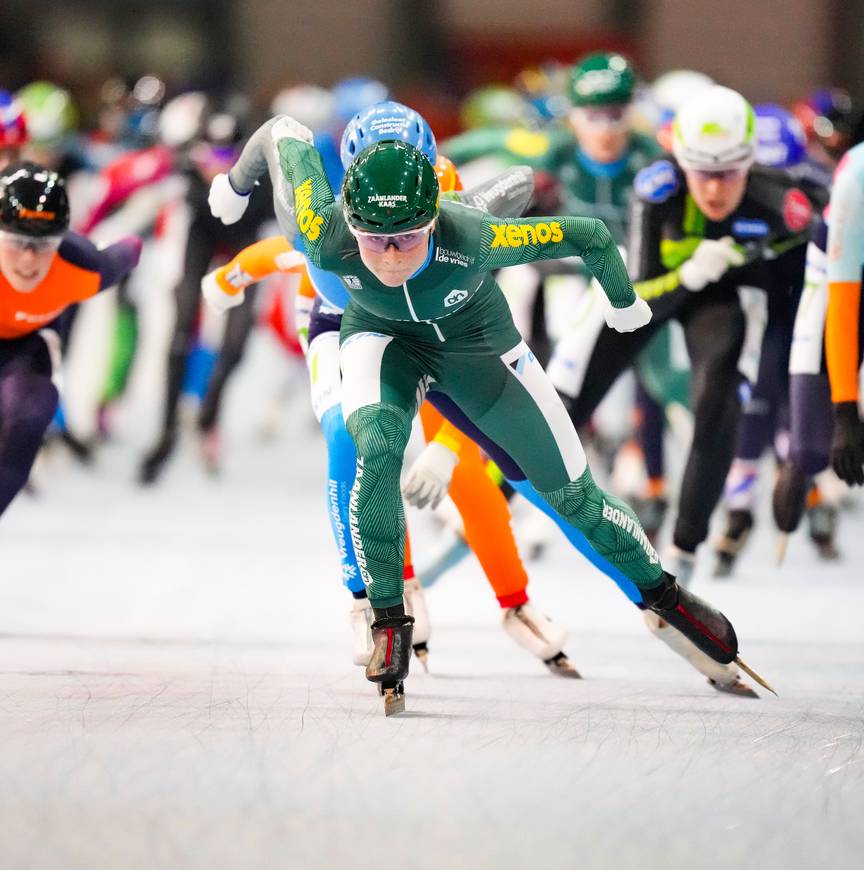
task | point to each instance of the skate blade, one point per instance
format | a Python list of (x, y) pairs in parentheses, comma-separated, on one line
[(423, 657), (393, 703), (780, 550), (738, 688), (751, 673), (565, 670)]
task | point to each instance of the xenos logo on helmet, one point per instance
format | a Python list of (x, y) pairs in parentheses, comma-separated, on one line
[(307, 220), (31, 214), (517, 236)]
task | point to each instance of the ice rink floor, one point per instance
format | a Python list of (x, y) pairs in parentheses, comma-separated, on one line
[(176, 692)]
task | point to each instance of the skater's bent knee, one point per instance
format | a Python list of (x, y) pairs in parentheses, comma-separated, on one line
[(379, 429)]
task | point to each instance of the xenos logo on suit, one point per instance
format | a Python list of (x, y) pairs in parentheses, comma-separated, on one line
[(307, 220), (517, 236)]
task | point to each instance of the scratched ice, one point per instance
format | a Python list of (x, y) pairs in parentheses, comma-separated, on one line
[(176, 692)]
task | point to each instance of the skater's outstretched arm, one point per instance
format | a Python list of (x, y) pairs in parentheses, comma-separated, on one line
[(319, 219), (224, 288), (526, 240), (96, 269), (506, 195)]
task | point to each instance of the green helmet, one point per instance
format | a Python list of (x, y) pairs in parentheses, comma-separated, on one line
[(602, 79), (390, 188), (49, 111)]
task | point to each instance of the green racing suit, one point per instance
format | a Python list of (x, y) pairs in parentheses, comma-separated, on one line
[(449, 326)]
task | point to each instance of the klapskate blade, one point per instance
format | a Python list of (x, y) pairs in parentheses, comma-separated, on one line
[(750, 672), (739, 688), (423, 657), (393, 703), (782, 541)]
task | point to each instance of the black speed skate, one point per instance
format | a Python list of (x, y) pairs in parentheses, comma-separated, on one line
[(822, 519), (708, 628), (154, 462), (699, 622), (391, 655), (739, 525)]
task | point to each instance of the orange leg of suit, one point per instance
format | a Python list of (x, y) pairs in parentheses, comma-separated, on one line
[(485, 514)]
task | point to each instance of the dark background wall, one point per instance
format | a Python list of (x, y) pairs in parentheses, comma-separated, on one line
[(769, 48)]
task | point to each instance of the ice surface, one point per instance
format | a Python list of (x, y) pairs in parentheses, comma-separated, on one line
[(176, 692)]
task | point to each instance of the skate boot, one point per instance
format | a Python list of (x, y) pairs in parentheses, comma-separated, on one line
[(822, 520), (739, 525), (651, 512), (706, 627), (788, 503), (361, 631), (541, 637), (415, 605), (391, 655), (681, 564), (789, 499), (723, 678), (154, 462), (81, 450)]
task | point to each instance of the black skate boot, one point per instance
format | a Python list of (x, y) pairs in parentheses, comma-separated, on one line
[(154, 462), (709, 629), (81, 450), (789, 499), (739, 525), (822, 520), (392, 632)]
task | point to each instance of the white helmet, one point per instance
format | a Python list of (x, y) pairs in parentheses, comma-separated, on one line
[(715, 130), (675, 88), (180, 119), (312, 106)]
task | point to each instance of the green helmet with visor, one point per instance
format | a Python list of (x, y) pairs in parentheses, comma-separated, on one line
[(390, 188)]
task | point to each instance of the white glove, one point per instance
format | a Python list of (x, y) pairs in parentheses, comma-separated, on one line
[(429, 477), (287, 128), (216, 297), (710, 262), (225, 203), (630, 318)]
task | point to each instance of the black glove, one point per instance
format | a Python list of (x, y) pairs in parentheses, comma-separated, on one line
[(847, 445)]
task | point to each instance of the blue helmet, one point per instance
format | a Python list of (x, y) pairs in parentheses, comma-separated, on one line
[(387, 121), (353, 95), (780, 139)]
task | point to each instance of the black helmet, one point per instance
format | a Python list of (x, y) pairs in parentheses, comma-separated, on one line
[(33, 201)]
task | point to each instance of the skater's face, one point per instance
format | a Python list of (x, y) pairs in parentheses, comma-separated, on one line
[(9, 156), (24, 261), (394, 259), (603, 132), (717, 194)]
